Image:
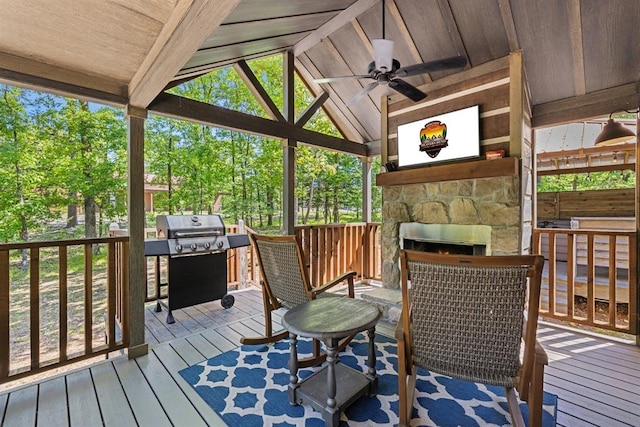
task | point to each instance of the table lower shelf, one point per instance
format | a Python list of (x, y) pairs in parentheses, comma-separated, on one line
[(350, 385)]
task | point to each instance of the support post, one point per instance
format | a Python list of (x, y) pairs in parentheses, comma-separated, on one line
[(136, 218), (289, 154), (637, 212), (366, 190)]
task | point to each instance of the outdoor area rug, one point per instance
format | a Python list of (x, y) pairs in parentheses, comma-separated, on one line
[(248, 387)]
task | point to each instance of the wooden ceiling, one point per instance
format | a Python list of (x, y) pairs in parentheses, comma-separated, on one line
[(582, 57)]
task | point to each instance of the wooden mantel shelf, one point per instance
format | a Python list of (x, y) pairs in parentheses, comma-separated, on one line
[(508, 166)]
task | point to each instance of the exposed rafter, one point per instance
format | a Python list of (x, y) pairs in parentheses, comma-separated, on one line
[(341, 19), (509, 25), (311, 109), (256, 88), (189, 25), (577, 52)]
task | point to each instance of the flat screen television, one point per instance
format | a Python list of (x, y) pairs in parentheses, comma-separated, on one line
[(443, 138)]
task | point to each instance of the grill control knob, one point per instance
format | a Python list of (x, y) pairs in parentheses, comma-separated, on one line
[(207, 245), (220, 244), (178, 248), (194, 246)]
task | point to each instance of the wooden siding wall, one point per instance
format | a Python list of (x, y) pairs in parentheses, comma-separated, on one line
[(596, 203), (487, 86)]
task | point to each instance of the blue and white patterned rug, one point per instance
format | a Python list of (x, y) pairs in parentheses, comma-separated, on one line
[(248, 387)]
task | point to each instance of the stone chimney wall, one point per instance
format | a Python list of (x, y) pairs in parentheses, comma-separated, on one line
[(486, 201)]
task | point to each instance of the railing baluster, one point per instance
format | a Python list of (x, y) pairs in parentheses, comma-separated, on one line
[(88, 311), (613, 284), (62, 295), (591, 301), (111, 293), (34, 300), (571, 259), (552, 273), (4, 315)]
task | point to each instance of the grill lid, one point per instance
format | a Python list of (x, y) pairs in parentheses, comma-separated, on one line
[(186, 226)]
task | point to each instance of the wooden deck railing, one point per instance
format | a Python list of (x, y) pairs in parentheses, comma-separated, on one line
[(335, 248), (590, 277), (331, 250), (61, 302)]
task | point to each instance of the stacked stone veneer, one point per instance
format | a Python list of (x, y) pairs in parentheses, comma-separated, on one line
[(487, 201)]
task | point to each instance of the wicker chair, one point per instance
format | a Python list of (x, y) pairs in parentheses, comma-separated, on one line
[(468, 317), (285, 283)]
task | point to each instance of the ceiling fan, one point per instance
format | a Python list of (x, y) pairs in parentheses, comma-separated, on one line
[(386, 70)]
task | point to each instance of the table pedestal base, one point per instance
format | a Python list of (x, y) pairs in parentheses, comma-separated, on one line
[(321, 391)]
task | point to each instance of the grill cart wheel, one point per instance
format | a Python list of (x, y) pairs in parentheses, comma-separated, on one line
[(227, 301)]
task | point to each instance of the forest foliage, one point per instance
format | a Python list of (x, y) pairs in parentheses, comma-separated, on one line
[(59, 153)]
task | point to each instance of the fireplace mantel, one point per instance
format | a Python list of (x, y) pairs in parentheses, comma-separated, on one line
[(508, 166)]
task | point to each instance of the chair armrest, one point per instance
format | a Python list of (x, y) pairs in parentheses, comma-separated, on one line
[(399, 332), (541, 355), (349, 275)]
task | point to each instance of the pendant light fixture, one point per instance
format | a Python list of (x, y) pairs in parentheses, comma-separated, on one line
[(614, 132)]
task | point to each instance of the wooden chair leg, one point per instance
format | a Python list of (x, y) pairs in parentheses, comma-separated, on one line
[(514, 407), (535, 395)]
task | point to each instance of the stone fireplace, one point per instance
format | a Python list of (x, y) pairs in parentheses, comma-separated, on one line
[(491, 207)]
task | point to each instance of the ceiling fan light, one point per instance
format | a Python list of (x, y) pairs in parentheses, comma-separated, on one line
[(613, 133), (383, 49)]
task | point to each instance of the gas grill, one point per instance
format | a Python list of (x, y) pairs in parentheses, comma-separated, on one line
[(197, 262)]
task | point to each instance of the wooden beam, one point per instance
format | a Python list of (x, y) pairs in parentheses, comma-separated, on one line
[(350, 13), (588, 169), (577, 52), (185, 30), (509, 25), (406, 35), (579, 108), (258, 91), (454, 31), (33, 75), (507, 166), (311, 109), (187, 109)]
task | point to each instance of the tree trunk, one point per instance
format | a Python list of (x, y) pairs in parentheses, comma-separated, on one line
[(72, 212), (269, 207), (309, 200)]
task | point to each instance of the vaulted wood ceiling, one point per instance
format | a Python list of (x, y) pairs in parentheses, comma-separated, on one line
[(582, 57)]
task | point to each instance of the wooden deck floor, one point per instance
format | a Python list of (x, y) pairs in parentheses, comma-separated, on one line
[(597, 380)]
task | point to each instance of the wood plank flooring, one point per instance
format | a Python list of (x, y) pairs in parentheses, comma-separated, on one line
[(597, 380)]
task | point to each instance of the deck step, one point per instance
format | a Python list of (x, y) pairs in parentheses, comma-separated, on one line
[(389, 301)]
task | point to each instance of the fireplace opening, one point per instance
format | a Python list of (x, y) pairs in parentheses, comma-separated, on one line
[(444, 248), (460, 239)]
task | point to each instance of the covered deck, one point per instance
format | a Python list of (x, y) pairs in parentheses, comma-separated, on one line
[(596, 379)]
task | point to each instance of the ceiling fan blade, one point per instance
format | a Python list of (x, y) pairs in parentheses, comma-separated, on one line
[(407, 90), (335, 79), (431, 66), (364, 92)]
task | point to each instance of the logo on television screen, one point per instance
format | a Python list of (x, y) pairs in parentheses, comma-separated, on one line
[(433, 138)]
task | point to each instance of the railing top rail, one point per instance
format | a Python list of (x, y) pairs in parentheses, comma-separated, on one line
[(57, 243), (584, 231)]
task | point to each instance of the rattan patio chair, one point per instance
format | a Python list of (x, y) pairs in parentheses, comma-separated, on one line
[(473, 318), (285, 283)]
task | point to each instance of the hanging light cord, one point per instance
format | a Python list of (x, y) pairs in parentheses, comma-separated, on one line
[(636, 111)]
